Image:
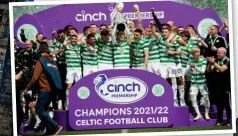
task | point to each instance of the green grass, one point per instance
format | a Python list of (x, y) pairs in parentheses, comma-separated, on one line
[(137, 130)]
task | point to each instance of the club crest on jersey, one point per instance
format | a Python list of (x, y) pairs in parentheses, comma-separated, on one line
[(120, 89)]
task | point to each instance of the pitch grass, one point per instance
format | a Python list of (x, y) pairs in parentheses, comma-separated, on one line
[(136, 130)]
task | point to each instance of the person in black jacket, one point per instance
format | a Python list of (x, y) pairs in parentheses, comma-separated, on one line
[(220, 69), (214, 41), (25, 61)]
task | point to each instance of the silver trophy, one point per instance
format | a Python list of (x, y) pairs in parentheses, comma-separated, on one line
[(118, 19)]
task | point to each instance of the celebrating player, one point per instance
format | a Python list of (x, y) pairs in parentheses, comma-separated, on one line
[(89, 55), (73, 61), (197, 67), (140, 51), (168, 52), (105, 52)]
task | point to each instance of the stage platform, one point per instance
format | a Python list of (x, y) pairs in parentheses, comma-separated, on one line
[(184, 117)]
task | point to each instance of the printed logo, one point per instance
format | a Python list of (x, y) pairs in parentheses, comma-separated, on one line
[(83, 16), (144, 15), (83, 92), (158, 90), (51, 65), (121, 89), (29, 30), (204, 25)]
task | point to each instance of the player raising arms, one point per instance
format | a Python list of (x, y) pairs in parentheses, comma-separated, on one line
[(168, 52), (173, 36), (197, 68), (121, 48)]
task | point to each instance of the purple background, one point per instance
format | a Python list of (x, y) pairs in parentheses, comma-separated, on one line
[(95, 101), (60, 16)]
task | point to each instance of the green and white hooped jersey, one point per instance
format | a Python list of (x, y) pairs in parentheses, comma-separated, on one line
[(193, 42), (105, 52), (73, 56), (121, 51), (177, 37), (197, 78), (98, 37), (90, 59), (52, 49), (178, 57), (61, 57), (67, 38), (153, 49), (185, 57), (139, 49), (164, 57)]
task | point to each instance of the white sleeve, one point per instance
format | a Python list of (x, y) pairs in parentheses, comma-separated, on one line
[(114, 31), (201, 69)]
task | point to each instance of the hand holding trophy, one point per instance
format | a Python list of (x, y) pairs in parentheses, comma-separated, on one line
[(118, 19), (136, 7)]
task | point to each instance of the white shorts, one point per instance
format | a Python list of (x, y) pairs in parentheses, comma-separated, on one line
[(179, 71), (168, 70), (104, 66), (195, 88), (154, 67), (73, 75), (89, 70), (122, 67)]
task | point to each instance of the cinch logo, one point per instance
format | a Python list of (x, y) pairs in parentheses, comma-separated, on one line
[(121, 89), (90, 17)]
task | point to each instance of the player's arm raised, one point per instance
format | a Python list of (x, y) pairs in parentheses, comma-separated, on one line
[(128, 33), (139, 23), (156, 35), (53, 37), (22, 35), (114, 33), (156, 19)]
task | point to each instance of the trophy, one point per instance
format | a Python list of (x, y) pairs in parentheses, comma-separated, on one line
[(118, 19)]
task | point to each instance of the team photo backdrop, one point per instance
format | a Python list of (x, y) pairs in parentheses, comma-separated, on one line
[(81, 15)]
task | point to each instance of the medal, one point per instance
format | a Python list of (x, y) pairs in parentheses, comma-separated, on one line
[(213, 41)]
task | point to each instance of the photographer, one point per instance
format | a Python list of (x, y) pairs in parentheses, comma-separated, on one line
[(43, 76)]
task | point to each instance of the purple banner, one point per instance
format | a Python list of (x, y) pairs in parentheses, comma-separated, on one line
[(81, 15), (116, 99)]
